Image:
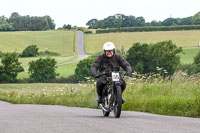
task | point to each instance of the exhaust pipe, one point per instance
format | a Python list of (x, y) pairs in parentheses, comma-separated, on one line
[(103, 108)]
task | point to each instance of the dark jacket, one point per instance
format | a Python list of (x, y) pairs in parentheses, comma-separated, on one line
[(103, 63)]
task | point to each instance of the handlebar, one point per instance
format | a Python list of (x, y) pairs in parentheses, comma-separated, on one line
[(106, 73)]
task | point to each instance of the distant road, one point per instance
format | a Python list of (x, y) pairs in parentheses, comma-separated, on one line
[(27, 118), (80, 48)]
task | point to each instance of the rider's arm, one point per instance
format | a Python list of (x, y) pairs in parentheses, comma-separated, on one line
[(124, 64), (96, 65)]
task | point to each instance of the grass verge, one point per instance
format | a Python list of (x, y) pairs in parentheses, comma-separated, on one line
[(179, 96)]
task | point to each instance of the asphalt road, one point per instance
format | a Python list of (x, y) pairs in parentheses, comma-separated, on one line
[(80, 48), (26, 118)]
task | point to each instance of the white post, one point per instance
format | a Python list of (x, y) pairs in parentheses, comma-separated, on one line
[(199, 44)]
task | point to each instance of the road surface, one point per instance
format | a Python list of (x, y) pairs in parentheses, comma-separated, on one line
[(80, 48), (26, 118)]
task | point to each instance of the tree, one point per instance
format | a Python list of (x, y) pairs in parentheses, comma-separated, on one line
[(146, 58), (69, 27), (186, 21), (155, 23), (10, 68), (83, 69), (170, 22), (91, 23), (43, 70), (196, 18), (165, 55), (30, 51), (139, 57)]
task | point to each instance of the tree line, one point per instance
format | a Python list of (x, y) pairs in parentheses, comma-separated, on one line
[(16, 22), (121, 20)]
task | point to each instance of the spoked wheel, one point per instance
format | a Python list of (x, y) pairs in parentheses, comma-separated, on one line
[(118, 102), (105, 105)]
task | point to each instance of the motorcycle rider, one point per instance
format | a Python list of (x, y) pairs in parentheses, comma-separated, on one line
[(106, 62)]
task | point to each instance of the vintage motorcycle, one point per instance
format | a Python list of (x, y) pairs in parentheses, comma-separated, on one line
[(111, 94)]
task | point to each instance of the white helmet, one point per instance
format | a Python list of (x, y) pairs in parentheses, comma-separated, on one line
[(109, 46)]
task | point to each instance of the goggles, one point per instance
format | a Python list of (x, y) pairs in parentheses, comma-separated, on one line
[(109, 51)]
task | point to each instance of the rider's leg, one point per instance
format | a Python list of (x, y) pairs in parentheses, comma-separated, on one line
[(123, 86), (100, 83)]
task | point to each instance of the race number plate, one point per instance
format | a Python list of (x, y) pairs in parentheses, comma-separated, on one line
[(115, 76)]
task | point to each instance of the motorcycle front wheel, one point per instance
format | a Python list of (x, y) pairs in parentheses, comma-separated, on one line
[(118, 102)]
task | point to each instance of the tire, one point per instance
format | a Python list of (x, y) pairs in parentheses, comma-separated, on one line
[(104, 112), (118, 102)]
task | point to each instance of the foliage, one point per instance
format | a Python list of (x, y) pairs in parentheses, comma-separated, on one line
[(30, 51), (178, 96), (17, 22), (69, 79), (196, 19), (150, 28), (192, 68), (121, 20), (196, 65), (68, 27), (83, 69), (88, 32), (116, 21), (146, 58), (48, 53), (43, 70), (1, 54), (10, 68)]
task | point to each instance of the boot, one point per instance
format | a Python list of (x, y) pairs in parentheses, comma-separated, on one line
[(123, 100), (99, 99)]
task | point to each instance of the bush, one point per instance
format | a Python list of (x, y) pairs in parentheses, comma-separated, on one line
[(88, 32), (69, 79), (196, 65), (10, 68), (48, 53), (193, 68), (30, 51), (1, 54), (146, 58), (43, 70), (150, 28), (83, 69)]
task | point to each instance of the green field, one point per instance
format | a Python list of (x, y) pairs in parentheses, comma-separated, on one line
[(63, 71), (187, 57), (188, 40), (61, 42)]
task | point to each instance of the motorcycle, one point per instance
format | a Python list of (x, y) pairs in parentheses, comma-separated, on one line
[(111, 94)]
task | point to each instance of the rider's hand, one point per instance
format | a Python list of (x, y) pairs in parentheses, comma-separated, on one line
[(129, 74), (94, 75)]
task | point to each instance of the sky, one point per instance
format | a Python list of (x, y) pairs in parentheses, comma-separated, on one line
[(79, 12)]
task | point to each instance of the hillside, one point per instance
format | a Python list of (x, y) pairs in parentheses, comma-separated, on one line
[(188, 40), (56, 41)]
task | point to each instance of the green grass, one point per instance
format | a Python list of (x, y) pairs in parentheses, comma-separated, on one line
[(188, 56), (59, 60), (61, 42), (178, 97), (188, 40), (185, 39), (64, 71)]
